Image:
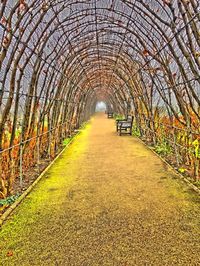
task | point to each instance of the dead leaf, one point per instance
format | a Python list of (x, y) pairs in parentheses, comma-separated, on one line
[(9, 253)]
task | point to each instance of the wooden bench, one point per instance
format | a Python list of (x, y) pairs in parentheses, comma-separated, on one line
[(129, 118), (110, 114), (125, 126)]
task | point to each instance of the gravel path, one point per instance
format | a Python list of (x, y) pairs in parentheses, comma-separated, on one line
[(108, 200)]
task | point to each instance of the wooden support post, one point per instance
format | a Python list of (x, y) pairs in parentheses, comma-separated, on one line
[(21, 165)]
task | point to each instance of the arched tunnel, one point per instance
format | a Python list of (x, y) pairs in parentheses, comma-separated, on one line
[(59, 58), (108, 200)]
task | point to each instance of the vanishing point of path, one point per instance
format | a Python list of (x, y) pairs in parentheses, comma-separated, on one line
[(108, 200)]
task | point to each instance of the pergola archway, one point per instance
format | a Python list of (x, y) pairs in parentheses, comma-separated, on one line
[(58, 58)]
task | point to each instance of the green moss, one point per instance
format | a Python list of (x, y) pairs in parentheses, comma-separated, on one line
[(47, 194), (66, 141)]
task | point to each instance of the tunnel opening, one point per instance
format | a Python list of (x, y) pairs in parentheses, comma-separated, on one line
[(100, 107)]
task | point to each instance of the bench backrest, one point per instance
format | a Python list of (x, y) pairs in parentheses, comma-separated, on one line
[(130, 118)]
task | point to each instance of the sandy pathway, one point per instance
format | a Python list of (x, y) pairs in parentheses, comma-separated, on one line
[(108, 200)]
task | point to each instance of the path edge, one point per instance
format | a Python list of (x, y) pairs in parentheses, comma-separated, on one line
[(13, 206), (190, 184)]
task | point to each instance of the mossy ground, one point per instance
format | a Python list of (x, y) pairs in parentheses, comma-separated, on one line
[(107, 200)]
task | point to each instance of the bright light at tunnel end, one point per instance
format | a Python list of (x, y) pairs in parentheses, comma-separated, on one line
[(100, 107)]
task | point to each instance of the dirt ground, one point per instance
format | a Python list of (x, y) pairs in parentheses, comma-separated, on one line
[(108, 200)]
